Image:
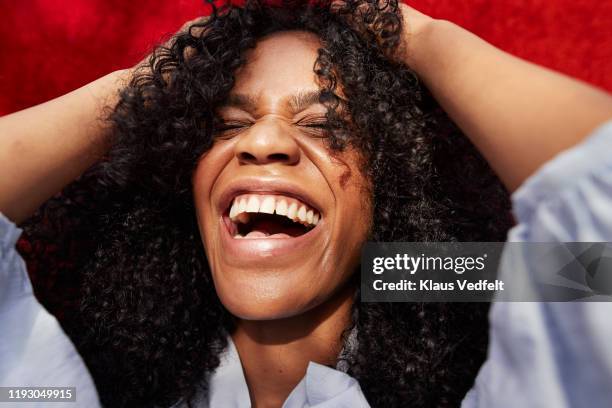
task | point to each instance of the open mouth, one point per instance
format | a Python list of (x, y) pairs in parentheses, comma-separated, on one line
[(252, 216)]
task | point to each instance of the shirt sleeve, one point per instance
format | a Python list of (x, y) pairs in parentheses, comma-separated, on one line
[(553, 354), (34, 350)]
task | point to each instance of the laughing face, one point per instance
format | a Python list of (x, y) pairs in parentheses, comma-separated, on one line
[(281, 219)]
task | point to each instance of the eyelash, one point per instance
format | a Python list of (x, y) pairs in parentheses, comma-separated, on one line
[(316, 129), (227, 129), (322, 125), (231, 127)]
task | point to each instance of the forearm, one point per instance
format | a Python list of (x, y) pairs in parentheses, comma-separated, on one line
[(45, 147), (519, 115)]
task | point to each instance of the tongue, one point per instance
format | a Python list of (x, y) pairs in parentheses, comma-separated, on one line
[(256, 234), (260, 234)]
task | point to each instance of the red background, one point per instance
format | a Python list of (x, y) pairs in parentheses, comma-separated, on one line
[(49, 47)]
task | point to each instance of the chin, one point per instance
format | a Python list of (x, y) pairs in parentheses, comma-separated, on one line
[(265, 298)]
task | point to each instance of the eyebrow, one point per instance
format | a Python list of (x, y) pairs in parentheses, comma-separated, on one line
[(242, 101), (302, 100), (297, 102)]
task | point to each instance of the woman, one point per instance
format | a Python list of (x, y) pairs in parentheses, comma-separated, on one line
[(241, 180)]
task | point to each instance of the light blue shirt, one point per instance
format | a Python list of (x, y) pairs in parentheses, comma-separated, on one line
[(540, 354)]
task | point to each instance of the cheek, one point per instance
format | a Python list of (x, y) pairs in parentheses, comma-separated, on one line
[(206, 174), (353, 214), (200, 189), (355, 220), (201, 195)]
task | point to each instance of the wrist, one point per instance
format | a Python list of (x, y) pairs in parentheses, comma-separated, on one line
[(121, 78), (417, 30), (105, 90)]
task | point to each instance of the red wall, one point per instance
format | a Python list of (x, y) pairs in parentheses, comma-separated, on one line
[(48, 47)]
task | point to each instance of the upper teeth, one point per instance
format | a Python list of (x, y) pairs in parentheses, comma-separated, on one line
[(269, 204)]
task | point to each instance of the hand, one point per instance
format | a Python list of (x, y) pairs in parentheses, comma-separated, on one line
[(378, 22), (145, 66)]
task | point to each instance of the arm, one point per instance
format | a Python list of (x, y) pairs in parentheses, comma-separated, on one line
[(42, 149), (45, 147), (554, 354), (519, 115)]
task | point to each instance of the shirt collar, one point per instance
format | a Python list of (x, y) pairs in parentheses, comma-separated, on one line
[(322, 386)]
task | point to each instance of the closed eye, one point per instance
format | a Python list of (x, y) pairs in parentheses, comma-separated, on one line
[(229, 128), (231, 125), (315, 126), (322, 125)]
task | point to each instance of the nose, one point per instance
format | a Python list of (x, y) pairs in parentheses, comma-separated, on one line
[(267, 142)]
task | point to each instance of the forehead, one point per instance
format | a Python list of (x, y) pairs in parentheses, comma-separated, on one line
[(281, 64)]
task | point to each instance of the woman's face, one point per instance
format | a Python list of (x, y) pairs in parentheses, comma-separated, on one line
[(282, 221)]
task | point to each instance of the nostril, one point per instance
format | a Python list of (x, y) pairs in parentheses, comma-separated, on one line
[(246, 157), (278, 157)]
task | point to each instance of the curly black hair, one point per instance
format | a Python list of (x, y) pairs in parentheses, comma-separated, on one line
[(143, 311)]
